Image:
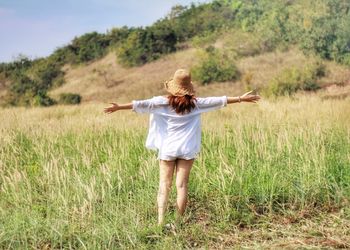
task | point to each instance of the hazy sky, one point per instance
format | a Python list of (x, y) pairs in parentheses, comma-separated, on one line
[(36, 27)]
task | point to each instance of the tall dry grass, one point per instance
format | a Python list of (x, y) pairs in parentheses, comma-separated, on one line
[(73, 177)]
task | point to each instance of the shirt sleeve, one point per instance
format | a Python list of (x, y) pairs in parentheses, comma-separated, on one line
[(142, 106), (211, 103), (148, 105)]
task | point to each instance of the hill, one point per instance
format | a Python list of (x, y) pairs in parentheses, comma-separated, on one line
[(278, 47), (105, 80)]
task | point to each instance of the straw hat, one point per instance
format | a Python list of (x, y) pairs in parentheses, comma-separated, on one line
[(180, 84)]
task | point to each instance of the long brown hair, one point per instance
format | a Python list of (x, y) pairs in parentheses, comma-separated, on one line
[(182, 104)]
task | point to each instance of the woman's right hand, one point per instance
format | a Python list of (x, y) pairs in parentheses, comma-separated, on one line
[(111, 109)]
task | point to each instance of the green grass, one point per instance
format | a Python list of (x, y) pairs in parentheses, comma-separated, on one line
[(72, 177)]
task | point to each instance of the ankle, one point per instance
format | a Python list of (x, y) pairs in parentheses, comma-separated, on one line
[(160, 222)]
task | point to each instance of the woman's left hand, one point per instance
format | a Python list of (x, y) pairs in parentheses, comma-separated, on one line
[(248, 97)]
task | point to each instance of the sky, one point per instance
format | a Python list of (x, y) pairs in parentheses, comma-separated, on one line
[(36, 28)]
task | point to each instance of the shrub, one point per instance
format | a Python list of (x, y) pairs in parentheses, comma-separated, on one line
[(204, 39), (346, 59), (118, 35), (82, 49), (90, 46), (44, 72), (320, 37), (30, 81), (197, 20), (247, 13), (311, 86), (21, 83), (329, 36), (273, 29), (145, 45), (69, 98), (24, 92), (293, 79), (215, 66), (161, 38), (42, 99), (286, 83), (133, 52), (243, 43)]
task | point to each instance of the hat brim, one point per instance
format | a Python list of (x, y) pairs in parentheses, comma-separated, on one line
[(177, 90)]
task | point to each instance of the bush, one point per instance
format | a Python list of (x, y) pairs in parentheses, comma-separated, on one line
[(89, 46), (21, 83), (215, 66), (320, 37), (291, 80), (204, 39), (133, 52), (118, 35), (346, 59), (42, 99), (146, 45), (85, 48), (69, 98), (30, 81), (44, 72), (273, 29), (195, 20), (286, 83), (311, 86), (329, 35)]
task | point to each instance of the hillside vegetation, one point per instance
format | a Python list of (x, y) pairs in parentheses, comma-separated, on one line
[(224, 34)]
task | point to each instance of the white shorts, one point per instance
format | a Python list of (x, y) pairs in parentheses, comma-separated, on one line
[(173, 158)]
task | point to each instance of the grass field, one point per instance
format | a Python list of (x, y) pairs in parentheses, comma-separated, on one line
[(274, 174)]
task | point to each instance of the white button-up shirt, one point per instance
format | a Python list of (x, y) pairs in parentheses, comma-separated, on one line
[(175, 135)]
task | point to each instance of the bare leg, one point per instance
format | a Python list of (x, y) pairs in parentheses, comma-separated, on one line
[(166, 171), (183, 168)]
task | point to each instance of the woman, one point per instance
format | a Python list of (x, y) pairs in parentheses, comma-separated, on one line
[(175, 131)]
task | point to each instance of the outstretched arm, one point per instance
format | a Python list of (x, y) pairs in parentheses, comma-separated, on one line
[(116, 107), (139, 106), (247, 97)]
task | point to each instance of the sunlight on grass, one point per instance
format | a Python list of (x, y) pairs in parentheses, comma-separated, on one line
[(73, 177)]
